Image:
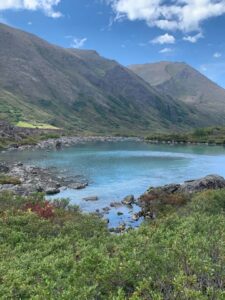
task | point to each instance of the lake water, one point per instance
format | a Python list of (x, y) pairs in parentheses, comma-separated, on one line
[(115, 170)]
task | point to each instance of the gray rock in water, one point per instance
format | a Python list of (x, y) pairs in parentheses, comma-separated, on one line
[(116, 204), (52, 190), (128, 200), (91, 198), (78, 185)]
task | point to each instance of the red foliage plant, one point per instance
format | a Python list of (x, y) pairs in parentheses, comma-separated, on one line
[(44, 209)]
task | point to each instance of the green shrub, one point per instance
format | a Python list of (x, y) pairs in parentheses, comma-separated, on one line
[(73, 256)]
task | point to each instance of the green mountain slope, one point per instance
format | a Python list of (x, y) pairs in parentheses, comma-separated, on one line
[(186, 84), (81, 90)]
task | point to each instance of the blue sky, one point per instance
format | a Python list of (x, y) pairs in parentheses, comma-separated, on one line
[(130, 31)]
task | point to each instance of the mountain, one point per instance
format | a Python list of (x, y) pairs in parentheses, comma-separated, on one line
[(80, 90), (186, 84)]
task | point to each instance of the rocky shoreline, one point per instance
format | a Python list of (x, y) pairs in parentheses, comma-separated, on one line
[(172, 142), (25, 179), (67, 141), (175, 195)]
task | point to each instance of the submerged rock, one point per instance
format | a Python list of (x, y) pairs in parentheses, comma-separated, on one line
[(91, 198), (119, 213)]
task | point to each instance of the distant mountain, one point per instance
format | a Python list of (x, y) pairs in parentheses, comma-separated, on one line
[(78, 89), (186, 84)]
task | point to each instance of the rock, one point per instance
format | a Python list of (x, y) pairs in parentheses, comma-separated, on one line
[(91, 198), (106, 210), (177, 194), (119, 213), (128, 200), (35, 179), (52, 190), (78, 185), (135, 217), (121, 228), (4, 168), (169, 189), (19, 164), (116, 204), (58, 145), (210, 182)]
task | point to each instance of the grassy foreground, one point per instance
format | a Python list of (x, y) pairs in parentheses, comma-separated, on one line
[(52, 251)]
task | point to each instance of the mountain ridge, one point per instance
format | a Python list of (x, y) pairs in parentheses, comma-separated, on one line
[(80, 90), (189, 86)]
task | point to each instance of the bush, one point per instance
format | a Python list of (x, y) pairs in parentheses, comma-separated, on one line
[(72, 255)]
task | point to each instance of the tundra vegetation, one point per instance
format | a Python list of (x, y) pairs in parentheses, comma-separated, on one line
[(209, 135), (53, 251)]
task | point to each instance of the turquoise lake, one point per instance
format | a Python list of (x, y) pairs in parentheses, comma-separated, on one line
[(117, 169)]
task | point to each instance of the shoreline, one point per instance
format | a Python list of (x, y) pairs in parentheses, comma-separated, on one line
[(25, 179), (171, 142), (44, 180), (67, 141)]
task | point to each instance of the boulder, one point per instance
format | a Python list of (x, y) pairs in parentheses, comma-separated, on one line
[(128, 200), (52, 190), (210, 182)]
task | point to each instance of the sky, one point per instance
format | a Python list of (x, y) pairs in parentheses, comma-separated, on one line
[(130, 31)]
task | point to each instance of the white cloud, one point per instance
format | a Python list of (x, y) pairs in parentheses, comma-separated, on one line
[(184, 15), (193, 38), (166, 50), (78, 43), (47, 6), (217, 55), (164, 39)]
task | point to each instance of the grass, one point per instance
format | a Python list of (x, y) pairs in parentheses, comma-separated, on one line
[(210, 135), (52, 251), (6, 179), (36, 125), (32, 139)]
